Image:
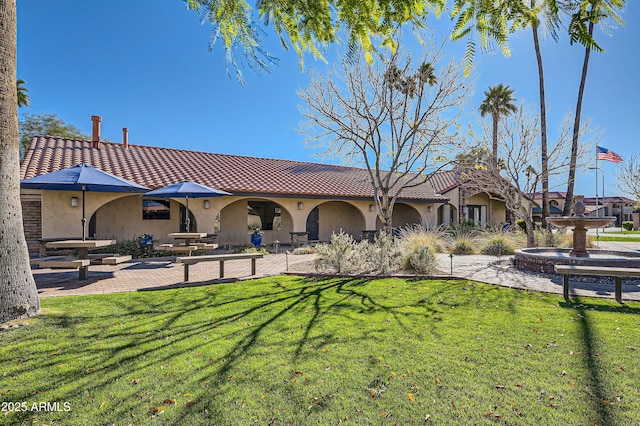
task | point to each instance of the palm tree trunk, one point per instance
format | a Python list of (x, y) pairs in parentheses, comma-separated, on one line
[(18, 293), (543, 130), (494, 155), (576, 129)]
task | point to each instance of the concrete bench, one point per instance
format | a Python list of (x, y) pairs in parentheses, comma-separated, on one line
[(598, 271), (176, 249), (218, 258), (114, 260), (82, 265), (39, 260)]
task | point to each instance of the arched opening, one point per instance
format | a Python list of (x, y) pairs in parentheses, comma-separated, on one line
[(403, 215), (332, 217), (239, 217)]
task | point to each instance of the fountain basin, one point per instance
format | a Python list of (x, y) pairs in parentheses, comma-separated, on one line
[(584, 222), (543, 259)]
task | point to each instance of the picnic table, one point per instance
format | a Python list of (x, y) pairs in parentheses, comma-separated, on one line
[(83, 247), (187, 246)]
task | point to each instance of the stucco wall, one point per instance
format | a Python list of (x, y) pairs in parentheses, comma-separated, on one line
[(338, 215)]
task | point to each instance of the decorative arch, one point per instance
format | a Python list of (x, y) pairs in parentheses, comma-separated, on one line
[(403, 215), (272, 218), (332, 217)]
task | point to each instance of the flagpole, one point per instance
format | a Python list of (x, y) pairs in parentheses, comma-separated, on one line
[(597, 182)]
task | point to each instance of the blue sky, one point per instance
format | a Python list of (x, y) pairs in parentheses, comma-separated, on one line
[(145, 65)]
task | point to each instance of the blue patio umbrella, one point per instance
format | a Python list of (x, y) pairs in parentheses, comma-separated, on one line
[(82, 177), (186, 189)]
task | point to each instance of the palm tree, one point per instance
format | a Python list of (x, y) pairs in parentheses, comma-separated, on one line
[(498, 102), (589, 13), (17, 286), (23, 98)]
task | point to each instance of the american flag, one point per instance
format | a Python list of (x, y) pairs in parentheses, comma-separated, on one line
[(605, 154)]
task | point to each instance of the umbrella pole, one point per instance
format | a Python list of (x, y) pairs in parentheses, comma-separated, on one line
[(187, 220), (84, 219)]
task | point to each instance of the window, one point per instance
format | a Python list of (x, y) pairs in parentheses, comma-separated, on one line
[(155, 210)]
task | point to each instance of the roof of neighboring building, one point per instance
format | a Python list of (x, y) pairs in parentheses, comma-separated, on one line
[(445, 180), (553, 195), (156, 167), (552, 210), (608, 200)]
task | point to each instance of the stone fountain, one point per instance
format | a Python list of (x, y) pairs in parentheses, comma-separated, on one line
[(543, 259)]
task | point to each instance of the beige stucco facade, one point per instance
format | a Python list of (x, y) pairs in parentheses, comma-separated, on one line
[(120, 216)]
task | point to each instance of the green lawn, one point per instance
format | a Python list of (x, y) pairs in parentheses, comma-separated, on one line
[(614, 238), (288, 350)]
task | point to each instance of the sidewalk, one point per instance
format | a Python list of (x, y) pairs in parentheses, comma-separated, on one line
[(155, 274)]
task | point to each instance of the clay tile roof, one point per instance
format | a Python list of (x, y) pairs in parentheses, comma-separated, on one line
[(156, 167)]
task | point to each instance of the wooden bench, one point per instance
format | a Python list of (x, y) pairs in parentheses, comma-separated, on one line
[(599, 271), (114, 260), (218, 258)]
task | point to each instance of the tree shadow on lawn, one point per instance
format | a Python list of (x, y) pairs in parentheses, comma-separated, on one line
[(143, 332), (598, 389), (124, 338)]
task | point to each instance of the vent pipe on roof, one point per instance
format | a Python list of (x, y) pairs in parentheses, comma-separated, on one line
[(125, 138), (95, 135)]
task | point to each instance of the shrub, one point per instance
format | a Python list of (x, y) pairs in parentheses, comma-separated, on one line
[(498, 245), (463, 245), (385, 255), (304, 250), (522, 225), (344, 255), (627, 225), (134, 247), (335, 256), (424, 260), (547, 238), (414, 237), (463, 239), (249, 248)]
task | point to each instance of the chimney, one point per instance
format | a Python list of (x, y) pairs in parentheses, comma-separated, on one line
[(125, 138), (95, 136)]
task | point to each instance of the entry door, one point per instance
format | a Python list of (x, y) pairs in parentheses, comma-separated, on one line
[(313, 224)]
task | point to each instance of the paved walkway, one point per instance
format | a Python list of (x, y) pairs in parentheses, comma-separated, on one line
[(154, 274)]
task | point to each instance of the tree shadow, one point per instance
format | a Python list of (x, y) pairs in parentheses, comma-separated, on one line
[(598, 386)]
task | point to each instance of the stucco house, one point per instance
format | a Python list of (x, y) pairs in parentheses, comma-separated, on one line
[(291, 201)]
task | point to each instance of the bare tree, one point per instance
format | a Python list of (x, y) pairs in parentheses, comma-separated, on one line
[(396, 119), (628, 176), (519, 159)]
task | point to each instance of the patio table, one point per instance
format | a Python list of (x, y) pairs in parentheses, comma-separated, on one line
[(187, 236), (83, 247)]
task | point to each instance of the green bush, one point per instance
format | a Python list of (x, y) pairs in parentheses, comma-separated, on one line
[(133, 247), (424, 260), (336, 256), (627, 225), (497, 245), (522, 225), (344, 255)]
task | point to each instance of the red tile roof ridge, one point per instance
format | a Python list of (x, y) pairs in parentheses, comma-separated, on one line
[(155, 167)]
